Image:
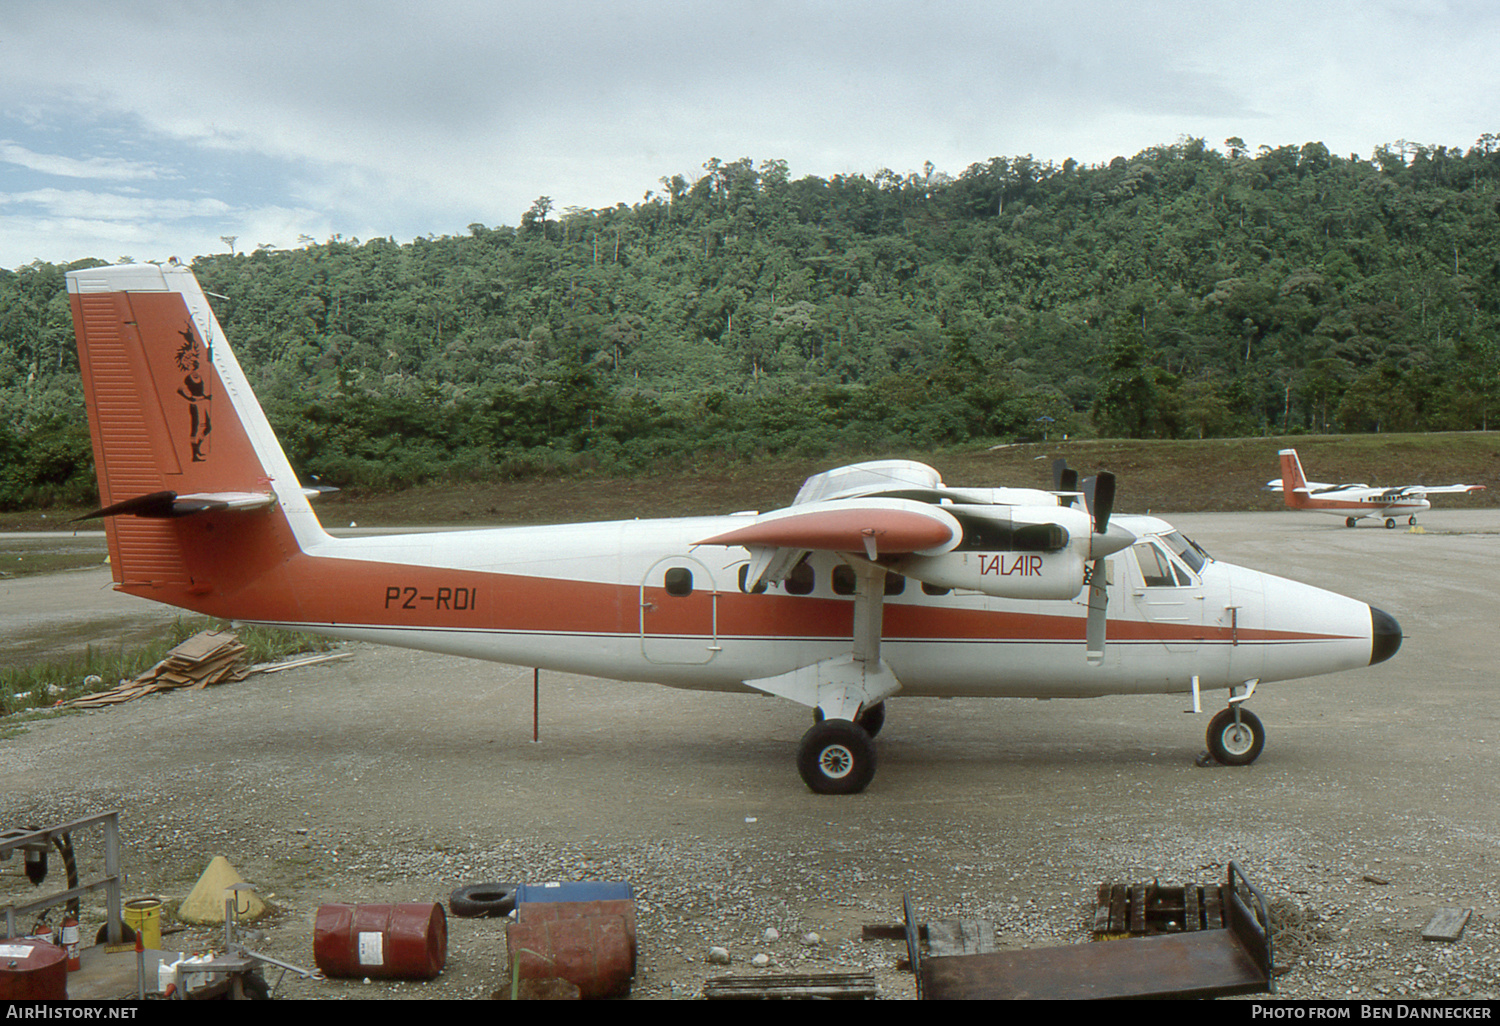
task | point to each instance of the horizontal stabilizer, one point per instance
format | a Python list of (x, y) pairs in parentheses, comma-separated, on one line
[(166, 505)]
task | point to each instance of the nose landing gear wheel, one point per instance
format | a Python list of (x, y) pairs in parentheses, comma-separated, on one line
[(836, 757), (1235, 744)]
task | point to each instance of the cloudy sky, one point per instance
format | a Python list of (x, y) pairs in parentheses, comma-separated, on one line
[(150, 129)]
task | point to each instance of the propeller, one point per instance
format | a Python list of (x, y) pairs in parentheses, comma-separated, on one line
[(1099, 498)]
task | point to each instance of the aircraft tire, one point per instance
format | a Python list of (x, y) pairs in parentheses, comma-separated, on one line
[(1350, 521), (1389, 523), (1234, 744), (483, 900), (836, 757), (872, 719)]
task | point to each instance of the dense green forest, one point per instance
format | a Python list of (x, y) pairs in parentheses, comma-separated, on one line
[(1184, 292)]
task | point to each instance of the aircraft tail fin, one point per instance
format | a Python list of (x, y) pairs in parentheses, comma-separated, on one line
[(1294, 488), (197, 496)]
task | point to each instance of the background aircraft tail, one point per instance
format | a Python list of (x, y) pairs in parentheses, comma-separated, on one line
[(1293, 482), (197, 496)]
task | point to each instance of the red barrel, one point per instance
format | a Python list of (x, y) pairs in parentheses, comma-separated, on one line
[(591, 944), (32, 970), (389, 942)]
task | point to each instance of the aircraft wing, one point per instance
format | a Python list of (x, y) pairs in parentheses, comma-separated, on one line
[(1310, 488), (1437, 490), (868, 527)]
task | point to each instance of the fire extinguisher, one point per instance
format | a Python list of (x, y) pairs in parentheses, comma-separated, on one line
[(69, 934)]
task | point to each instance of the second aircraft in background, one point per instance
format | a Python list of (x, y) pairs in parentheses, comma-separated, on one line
[(1353, 502)]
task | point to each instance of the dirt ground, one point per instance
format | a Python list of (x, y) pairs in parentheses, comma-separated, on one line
[(399, 776)]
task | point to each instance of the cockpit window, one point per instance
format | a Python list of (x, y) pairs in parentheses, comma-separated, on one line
[(1186, 550), (1157, 568)]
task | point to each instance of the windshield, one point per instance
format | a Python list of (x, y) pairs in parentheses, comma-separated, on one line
[(1187, 550)]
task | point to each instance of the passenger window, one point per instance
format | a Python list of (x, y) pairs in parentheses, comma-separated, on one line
[(679, 581), (801, 580), (843, 579), (845, 582), (745, 580)]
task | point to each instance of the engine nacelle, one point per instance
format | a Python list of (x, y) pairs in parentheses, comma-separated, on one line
[(1018, 575)]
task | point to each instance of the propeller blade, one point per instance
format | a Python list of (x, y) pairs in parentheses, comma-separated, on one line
[(1099, 494), (1098, 606), (1064, 479)]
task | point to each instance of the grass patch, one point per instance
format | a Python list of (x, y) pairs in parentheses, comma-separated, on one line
[(43, 685)]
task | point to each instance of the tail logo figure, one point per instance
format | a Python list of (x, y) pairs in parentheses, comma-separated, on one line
[(195, 392)]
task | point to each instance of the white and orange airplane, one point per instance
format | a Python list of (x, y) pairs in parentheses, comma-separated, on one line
[(878, 580), (1354, 502)]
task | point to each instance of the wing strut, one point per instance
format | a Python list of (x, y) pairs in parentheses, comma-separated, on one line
[(845, 685)]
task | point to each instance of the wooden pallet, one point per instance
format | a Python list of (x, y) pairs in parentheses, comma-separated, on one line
[(1143, 910)]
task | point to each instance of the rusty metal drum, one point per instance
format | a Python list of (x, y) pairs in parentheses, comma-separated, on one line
[(407, 941), (582, 932), (32, 969)]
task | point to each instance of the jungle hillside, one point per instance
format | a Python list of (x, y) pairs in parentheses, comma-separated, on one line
[(1186, 292)]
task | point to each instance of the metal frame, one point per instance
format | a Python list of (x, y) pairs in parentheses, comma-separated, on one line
[(110, 882)]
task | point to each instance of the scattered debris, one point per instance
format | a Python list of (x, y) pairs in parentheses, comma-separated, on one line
[(818, 986), (960, 937), (208, 657), (1233, 959), (1141, 910), (1447, 924)]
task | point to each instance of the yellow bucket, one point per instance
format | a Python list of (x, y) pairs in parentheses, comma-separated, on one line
[(143, 915)]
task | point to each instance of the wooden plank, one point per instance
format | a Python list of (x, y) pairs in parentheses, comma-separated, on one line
[(1213, 908), (1101, 909), (1138, 909), (821, 986), (1447, 924), (1192, 915), (960, 937), (1118, 901)]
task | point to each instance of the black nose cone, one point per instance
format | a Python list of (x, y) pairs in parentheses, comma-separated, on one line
[(1385, 634)]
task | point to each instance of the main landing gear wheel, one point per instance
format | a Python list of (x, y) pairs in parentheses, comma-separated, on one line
[(872, 719), (836, 757), (1235, 744), (1389, 523), (1350, 522)]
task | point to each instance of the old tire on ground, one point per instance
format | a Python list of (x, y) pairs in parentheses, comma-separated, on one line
[(1236, 744), (836, 757), (482, 900)]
